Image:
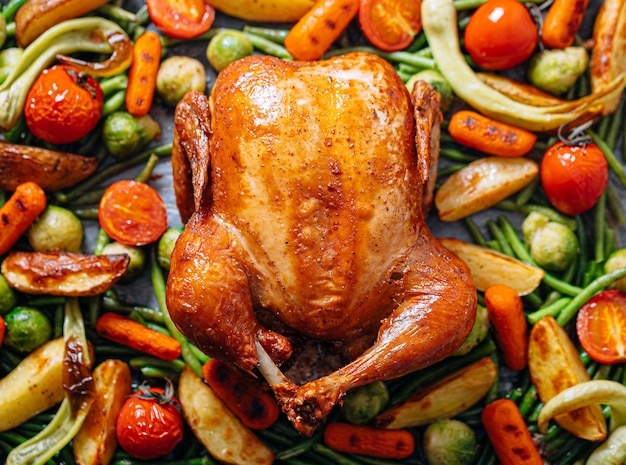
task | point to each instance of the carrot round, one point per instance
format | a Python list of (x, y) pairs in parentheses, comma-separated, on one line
[(490, 136), (256, 408), (142, 73), (509, 435), (562, 22), (123, 330), (366, 440), (19, 212), (315, 32), (506, 314)]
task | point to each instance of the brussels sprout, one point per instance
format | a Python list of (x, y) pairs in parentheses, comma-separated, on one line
[(137, 257), (477, 334), (450, 442), (9, 57), (552, 245), (440, 84), (27, 328), (555, 71), (228, 46), (123, 134), (616, 261), (178, 75), (364, 403), (166, 245), (56, 230), (8, 300)]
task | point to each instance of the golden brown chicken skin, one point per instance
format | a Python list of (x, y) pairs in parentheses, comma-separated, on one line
[(303, 187)]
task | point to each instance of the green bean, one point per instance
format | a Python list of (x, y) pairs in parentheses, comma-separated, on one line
[(114, 103), (268, 47), (117, 14), (552, 214), (111, 85), (475, 232), (614, 205), (613, 130), (148, 313), (275, 35), (499, 236), (11, 8), (599, 215), (495, 245), (524, 196), (457, 155), (336, 457), (394, 57), (204, 460), (553, 310), (299, 448), (612, 160)]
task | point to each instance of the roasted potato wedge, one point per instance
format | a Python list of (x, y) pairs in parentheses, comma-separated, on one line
[(216, 427), (67, 274), (96, 440), (519, 91), (279, 11), (555, 365), (482, 184), (445, 399), (489, 267)]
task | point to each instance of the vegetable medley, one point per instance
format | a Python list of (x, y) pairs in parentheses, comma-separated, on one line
[(529, 194)]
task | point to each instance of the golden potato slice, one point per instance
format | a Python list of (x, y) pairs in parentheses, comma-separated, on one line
[(278, 11)]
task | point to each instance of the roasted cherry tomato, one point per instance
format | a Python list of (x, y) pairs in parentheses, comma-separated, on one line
[(63, 105), (501, 34), (574, 177), (390, 25), (601, 327), (149, 424), (132, 213), (181, 19)]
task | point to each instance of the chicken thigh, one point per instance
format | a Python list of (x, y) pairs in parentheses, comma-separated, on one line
[(302, 187)]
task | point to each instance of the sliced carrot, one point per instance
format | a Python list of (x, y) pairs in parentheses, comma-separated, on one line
[(367, 440), (509, 435), (142, 73), (123, 330), (562, 22), (256, 408), (19, 212), (490, 136), (316, 31), (506, 314)]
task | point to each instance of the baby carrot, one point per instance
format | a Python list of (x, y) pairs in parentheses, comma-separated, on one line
[(256, 408), (506, 314), (490, 136), (123, 330), (315, 32), (367, 440), (509, 435), (562, 22), (142, 73), (19, 212)]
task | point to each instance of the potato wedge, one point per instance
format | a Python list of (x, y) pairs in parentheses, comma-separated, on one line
[(443, 400), (489, 267), (216, 427), (279, 11), (96, 440), (482, 184), (519, 91), (554, 365), (67, 274), (51, 170), (34, 386)]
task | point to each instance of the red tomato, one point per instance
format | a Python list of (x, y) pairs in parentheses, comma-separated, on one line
[(574, 177), (390, 25), (501, 34), (181, 19), (149, 424), (132, 213), (63, 105), (601, 327)]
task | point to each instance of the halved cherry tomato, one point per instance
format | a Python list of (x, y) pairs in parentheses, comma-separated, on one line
[(181, 19), (501, 34), (601, 327), (574, 177), (132, 213), (63, 105), (149, 425), (390, 25)]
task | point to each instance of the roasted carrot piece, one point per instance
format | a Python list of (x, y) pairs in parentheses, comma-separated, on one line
[(506, 314), (256, 408), (509, 435), (490, 136), (123, 330), (315, 32), (367, 440), (142, 73), (562, 22), (19, 212)]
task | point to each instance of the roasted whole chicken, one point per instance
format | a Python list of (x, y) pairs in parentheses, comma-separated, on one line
[(303, 187)]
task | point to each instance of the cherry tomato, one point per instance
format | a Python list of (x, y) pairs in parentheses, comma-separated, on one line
[(601, 327), (181, 19), (63, 105), (501, 34), (132, 213), (390, 25), (149, 424), (574, 177)]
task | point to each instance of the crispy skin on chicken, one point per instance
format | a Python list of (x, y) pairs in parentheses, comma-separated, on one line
[(302, 187)]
